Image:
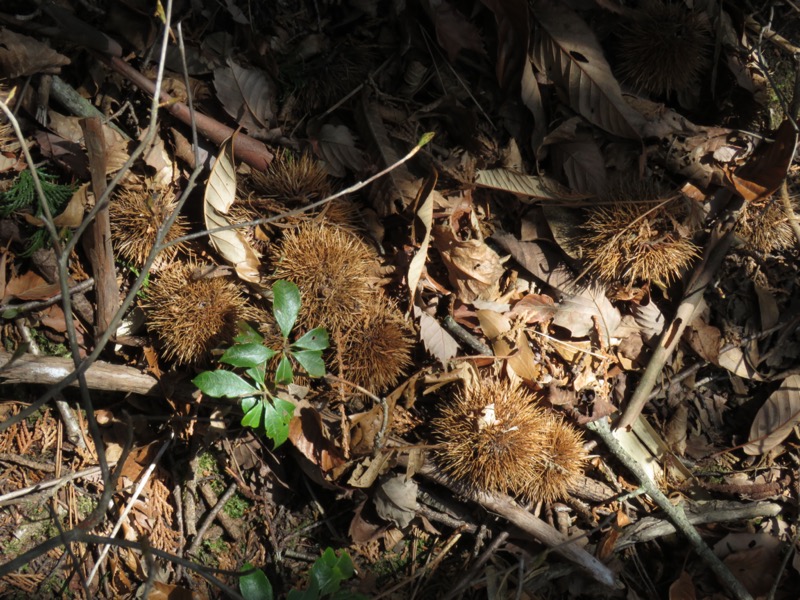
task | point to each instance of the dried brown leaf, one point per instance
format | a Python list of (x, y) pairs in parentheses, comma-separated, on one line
[(23, 56), (682, 588), (438, 342), (528, 186), (396, 500), (453, 32), (776, 419), (567, 50), (220, 195), (246, 95), (417, 264), (473, 268), (338, 148)]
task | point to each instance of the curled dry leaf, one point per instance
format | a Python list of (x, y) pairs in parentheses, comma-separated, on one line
[(776, 419), (396, 500), (308, 434), (220, 195), (473, 268), (708, 342)]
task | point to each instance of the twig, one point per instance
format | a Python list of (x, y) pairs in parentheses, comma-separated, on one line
[(129, 506), (506, 507), (209, 519), (651, 528), (477, 565), (12, 497), (379, 436), (716, 249), (464, 336), (27, 462), (675, 513)]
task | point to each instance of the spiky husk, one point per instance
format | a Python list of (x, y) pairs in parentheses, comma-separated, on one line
[(490, 436), (766, 228), (191, 315), (665, 48), (376, 350), (637, 237), (136, 215), (560, 461), (294, 180), (334, 271)]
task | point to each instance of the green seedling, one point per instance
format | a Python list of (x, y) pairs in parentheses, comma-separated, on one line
[(261, 407)]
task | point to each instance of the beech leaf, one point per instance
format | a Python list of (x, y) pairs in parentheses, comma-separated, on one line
[(441, 345), (246, 95), (776, 419)]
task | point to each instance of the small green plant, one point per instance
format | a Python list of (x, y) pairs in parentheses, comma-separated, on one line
[(324, 580), (22, 197), (262, 408)]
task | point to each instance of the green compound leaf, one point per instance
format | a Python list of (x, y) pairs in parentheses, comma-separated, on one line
[(248, 403), (247, 335), (311, 361), (247, 355), (284, 374), (257, 374), (277, 415), (316, 339), (285, 305), (329, 571), (252, 417), (223, 384), (255, 585)]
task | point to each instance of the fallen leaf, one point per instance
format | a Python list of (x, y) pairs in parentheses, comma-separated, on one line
[(776, 419), (23, 56), (246, 95), (566, 49), (473, 268), (220, 195), (437, 341), (308, 434), (682, 588), (453, 32), (337, 147), (425, 216), (30, 286), (396, 500), (528, 186)]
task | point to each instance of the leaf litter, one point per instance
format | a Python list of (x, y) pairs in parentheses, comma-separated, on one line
[(500, 255)]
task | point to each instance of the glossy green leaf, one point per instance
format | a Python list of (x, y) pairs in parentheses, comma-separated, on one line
[(285, 305), (252, 418), (257, 374), (284, 374), (255, 585), (277, 415), (311, 361), (223, 384), (247, 335), (329, 571), (248, 403), (316, 339), (247, 355)]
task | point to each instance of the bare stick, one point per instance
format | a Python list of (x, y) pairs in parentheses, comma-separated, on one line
[(675, 513), (716, 249), (209, 519)]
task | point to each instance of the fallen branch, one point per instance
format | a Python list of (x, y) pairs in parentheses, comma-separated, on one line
[(50, 370), (675, 513)]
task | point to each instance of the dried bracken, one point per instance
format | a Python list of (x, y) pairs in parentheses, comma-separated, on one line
[(136, 216), (491, 436), (294, 180), (638, 237), (560, 461), (376, 351), (765, 228), (665, 48), (334, 270), (191, 314)]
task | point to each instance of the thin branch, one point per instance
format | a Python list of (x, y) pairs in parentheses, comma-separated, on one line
[(675, 513)]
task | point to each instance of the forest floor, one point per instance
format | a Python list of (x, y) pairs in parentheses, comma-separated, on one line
[(492, 299)]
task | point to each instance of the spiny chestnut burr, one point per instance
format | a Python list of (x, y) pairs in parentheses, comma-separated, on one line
[(136, 216), (665, 48), (376, 349), (191, 314), (494, 437), (638, 235), (334, 271)]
